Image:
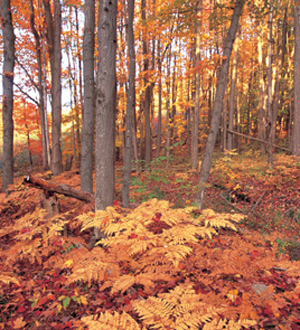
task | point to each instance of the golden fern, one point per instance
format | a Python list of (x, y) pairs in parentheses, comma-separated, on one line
[(228, 325), (8, 278), (107, 321), (34, 236), (89, 266), (179, 309)]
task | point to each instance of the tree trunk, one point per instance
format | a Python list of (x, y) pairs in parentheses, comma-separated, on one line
[(261, 90), (53, 39), (218, 104), (168, 110), (129, 109), (232, 94), (196, 108), (87, 142), (63, 189), (296, 126), (147, 93), (105, 106), (278, 76), (270, 113), (44, 122), (7, 86), (158, 140)]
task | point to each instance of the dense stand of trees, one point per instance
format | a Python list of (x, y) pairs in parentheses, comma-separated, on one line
[(193, 80)]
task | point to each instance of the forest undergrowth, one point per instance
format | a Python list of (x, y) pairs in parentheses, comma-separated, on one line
[(163, 264)]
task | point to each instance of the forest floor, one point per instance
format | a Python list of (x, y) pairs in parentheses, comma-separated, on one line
[(246, 273)]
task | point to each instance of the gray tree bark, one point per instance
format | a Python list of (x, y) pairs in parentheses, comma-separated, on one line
[(196, 108), (270, 96), (147, 93), (129, 109), (218, 104), (87, 137), (43, 115), (105, 106), (7, 85), (278, 77), (296, 126), (261, 90), (53, 39), (232, 95)]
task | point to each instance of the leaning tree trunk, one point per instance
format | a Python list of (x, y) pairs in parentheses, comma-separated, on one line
[(105, 106), (7, 85), (87, 141), (218, 104)]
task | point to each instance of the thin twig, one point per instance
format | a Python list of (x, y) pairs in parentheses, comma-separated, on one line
[(255, 205), (235, 207)]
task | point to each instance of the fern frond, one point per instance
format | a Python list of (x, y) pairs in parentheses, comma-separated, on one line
[(89, 266), (219, 220), (7, 278), (177, 253), (107, 321), (123, 283), (179, 309), (228, 325), (100, 219)]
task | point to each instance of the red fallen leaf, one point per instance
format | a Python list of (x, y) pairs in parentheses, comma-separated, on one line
[(58, 243), (109, 305), (133, 235), (142, 293), (254, 254), (42, 301), (267, 312), (37, 313), (157, 217), (21, 309), (116, 203), (26, 230), (294, 326), (68, 325)]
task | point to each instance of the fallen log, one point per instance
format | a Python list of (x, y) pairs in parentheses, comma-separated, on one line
[(63, 189)]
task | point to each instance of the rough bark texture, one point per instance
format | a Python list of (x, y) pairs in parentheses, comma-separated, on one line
[(87, 142), (7, 85), (147, 93), (196, 108), (63, 189), (296, 126), (53, 39), (43, 114), (270, 83), (218, 104), (105, 105), (261, 90), (130, 105), (232, 95), (158, 140), (278, 77)]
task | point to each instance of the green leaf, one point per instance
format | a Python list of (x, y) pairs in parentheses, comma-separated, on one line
[(66, 302)]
